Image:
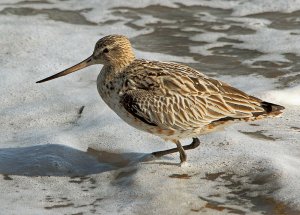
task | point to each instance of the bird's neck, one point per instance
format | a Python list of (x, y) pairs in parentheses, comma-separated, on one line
[(121, 63), (122, 58)]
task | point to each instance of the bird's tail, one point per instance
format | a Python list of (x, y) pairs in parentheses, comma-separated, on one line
[(272, 109)]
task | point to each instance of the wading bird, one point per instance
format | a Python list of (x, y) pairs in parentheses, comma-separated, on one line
[(170, 100)]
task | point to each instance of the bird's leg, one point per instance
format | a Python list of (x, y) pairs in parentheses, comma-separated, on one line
[(181, 151), (193, 145)]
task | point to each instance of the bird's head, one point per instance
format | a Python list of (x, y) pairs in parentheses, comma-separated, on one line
[(113, 50)]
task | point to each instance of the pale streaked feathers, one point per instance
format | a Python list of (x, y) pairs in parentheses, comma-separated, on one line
[(180, 101), (168, 99)]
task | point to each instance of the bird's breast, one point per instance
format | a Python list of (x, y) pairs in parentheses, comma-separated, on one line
[(109, 88)]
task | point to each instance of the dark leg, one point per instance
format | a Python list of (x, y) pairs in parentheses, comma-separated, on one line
[(181, 151), (193, 145)]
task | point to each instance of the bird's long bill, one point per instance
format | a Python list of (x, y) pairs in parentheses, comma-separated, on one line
[(87, 62)]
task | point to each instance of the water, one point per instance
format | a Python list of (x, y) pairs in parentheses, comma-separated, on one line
[(64, 152)]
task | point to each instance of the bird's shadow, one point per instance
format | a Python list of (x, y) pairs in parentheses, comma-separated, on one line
[(60, 160)]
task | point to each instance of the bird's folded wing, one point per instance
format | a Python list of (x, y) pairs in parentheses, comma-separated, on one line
[(185, 100)]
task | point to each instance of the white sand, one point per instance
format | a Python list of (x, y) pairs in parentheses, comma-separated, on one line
[(42, 133)]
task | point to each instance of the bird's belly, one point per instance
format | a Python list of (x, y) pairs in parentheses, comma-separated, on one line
[(112, 99)]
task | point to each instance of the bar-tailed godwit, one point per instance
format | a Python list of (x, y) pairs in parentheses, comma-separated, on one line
[(170, 100)]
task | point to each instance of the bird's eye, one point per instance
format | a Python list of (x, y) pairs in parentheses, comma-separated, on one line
[(105, 50)]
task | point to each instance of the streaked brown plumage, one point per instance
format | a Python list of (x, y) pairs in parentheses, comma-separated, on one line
[(167, 99)]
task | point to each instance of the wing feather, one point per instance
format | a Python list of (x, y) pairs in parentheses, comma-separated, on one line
[(175, 96)]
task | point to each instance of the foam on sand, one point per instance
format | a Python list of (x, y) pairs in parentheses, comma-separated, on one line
[(288, 96), (99, 164)]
